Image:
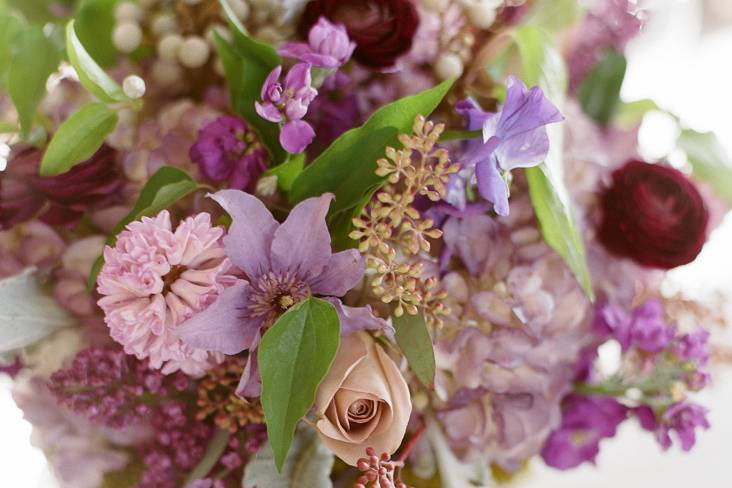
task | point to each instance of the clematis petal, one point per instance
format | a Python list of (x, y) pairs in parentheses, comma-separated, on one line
[(252, 229), (220, 327), (302, 243), (342, 273), (354, 319), (250, 384)]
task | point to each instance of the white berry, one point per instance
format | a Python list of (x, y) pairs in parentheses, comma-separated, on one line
[(127, 36), (128, 11), (193, 52), (164, 24), (169, 47), (449, 65), (133, 86), (482, 14), (240, 8)]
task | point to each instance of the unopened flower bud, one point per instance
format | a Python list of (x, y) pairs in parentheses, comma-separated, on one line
[(169, 46), (193, 52), (449, 65), (133, 86), (128, 11), (482, 14), (127, 36), (164, 24)]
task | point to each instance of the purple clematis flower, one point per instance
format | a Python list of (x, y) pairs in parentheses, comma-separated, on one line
[(283, 264), (586, 420), (328, 46), (514, 137), (288, 104), (683, 418)]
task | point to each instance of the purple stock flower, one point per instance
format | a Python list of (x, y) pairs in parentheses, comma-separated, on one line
[(514, 137), (586, 420), (644, 328), (227, 150), (683, 418), (693, 347), (283, 265), (288, 104), (328, 46)]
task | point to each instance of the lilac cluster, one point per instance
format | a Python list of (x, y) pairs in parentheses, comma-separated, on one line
[(658, 363), (609, 25), (108, 386)]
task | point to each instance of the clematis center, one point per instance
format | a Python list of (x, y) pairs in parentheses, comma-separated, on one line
[(274, 293)]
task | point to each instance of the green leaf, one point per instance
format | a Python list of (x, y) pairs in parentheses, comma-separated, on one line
[(94, 24), (709, 160), (554, 15), (247, 62), (35, 11), (415, 342), (308, 465), (288, 171), (28, 313), (91, 75), (294, 356), (33, 59), (165, 187), (346, 168), (10, 26), (78, 138), (599, 92), (543, 65), (630, 114), (215, 449)]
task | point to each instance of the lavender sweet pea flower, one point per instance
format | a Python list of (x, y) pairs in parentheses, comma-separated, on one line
[(586, 420), (328, 46), (283, 264), (288, 104), (514, 137), (227, 150)]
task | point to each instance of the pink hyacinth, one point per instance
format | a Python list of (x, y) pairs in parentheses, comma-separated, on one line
[(154, 279)]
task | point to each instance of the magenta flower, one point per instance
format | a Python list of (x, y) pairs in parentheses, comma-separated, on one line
[(228, 151), (683, 418), (153, 279), (328, 46), (514, 137), (644, 328), (288, 104), (586, 420), (693, 347), (283, 264)]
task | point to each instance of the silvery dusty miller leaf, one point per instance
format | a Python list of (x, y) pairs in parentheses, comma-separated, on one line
[(307, 465), (27, 312)]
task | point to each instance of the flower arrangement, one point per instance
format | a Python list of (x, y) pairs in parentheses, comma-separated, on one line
[(371, 243)]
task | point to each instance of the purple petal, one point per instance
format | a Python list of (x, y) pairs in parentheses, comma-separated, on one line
[(220, 327), (471, 112), (294, 50), (296, 135), (342, 273), (354, 319), (268, 111), (250, 384), (271, 79), (302, 242), (524, 150), (252, 229), (492, 186), (525, 110), (297, 77)]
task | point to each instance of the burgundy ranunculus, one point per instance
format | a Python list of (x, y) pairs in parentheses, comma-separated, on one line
[(654, 215), (57, 200), (382, 29)]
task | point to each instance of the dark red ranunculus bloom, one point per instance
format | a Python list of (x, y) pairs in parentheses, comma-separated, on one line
[(654, 215), (57, 200), (382, 29)]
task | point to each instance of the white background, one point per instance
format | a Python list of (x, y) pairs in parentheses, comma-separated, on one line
[(685, 67)]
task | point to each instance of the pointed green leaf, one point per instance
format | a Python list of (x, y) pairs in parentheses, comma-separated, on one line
[(415, 342), (94, 24), (346, 168), (294, 356), (542, 65), (599, 92), (78, 138), (91, 75), (10, 26), (709, 160), (33, 59)]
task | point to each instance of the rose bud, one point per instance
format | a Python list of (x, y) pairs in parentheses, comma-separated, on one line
[(382, 29), (654, 215), (362, 402)]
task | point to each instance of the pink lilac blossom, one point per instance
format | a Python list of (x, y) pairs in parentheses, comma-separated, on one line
[(514, 137), (287, 104), (328, 46), (509, 350), (155, 278), (227, 150), (586, 420), (610, 24), (283, 265)]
